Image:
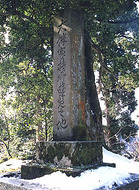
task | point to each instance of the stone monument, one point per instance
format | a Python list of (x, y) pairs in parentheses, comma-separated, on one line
[(71, 145), (69, 78)]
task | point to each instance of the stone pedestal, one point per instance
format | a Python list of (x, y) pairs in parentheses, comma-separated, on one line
[(70, 157), (69, 153)]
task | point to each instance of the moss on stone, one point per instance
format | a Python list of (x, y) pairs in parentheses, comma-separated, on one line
[(77, 153), (51, 152), (33, 171), (80, 132)]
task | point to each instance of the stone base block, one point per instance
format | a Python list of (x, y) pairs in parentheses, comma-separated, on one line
[(31, 171), (69, 153)]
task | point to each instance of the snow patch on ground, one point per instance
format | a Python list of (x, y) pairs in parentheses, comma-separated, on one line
[(12, 164), (89, 180), (122, 163)]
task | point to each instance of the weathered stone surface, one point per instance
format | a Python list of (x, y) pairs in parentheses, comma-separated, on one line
[(69, 78), (7, 186), (7, 183), (130, 186), (20, 185), (14, 184), (33, 171), (69, 153), (132, 183)]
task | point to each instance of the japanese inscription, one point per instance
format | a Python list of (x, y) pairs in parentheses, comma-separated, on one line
[(69, 76), (61, 75)]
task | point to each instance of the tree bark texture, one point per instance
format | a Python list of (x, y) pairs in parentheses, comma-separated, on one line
[(95, 130)]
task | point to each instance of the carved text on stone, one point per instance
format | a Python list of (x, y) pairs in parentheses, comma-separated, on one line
[(61, 70)]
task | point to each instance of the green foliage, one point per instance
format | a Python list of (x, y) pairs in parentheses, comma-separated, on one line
[(26, 63), (23, 80)]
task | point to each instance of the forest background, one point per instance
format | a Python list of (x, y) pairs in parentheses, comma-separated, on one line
[(26, 68)]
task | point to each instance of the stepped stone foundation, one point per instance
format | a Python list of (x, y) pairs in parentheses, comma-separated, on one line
[(70, 157)]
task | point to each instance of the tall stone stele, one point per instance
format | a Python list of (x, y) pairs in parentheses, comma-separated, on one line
[(72, 120)]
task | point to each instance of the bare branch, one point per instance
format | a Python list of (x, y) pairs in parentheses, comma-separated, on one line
[(101, 59), (128, 37), (127, 21), (123, 21)]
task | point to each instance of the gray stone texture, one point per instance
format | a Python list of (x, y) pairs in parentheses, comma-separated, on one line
[(24, 185), (69, 78), (69, 153), (20, 185)]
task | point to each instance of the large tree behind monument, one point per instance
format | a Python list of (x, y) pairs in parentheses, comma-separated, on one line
[(30, 24)]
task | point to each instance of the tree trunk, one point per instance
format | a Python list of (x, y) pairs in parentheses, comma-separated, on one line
[(7, 148), (39, 128), (107, 128), (95, 130)]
